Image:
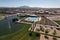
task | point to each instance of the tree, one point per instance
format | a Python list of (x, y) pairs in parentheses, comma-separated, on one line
[(46, 37), (46, 31), (14, 20), (38, 29), (37, 34), (30, 34), (41, 28), (55, 12)]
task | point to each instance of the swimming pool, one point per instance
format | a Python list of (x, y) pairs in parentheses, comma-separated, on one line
[(35, 19)]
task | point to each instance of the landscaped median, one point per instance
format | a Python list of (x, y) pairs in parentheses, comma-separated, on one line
[(51, 35), (58, 22)]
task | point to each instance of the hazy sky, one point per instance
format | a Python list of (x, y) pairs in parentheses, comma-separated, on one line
[(32, 3)]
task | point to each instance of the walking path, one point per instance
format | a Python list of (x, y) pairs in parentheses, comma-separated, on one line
[(42, 37)]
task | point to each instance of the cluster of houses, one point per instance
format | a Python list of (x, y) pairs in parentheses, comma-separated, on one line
[(18, 10)]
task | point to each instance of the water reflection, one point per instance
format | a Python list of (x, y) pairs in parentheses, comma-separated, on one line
[(4, 26)]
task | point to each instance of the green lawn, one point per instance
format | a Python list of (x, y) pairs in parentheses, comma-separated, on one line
[(58, 22), (21, 17), (22, 34)]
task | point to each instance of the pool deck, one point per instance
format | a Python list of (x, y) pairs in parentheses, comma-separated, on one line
[(35, 19)]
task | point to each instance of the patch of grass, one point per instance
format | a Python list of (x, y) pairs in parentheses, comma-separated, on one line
[(58, 22), (34, 35), (21, 17)]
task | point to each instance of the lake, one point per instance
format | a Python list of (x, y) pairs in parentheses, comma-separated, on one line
[(8, 27)]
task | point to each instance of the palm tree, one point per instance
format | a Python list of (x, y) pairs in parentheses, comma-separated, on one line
[(41, 28)]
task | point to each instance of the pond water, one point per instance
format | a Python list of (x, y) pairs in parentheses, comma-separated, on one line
[(7, 26)]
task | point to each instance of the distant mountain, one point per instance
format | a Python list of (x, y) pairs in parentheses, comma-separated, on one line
[(24, 7)]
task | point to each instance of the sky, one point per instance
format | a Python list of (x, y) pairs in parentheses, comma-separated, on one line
[(31, 3)]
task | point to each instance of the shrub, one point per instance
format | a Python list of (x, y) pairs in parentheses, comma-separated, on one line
[(47, 31), (46, 37), (37, 34), (41, 28), (14, 20), (30, 34), (38, 29), (54, 38), (54, 33)]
